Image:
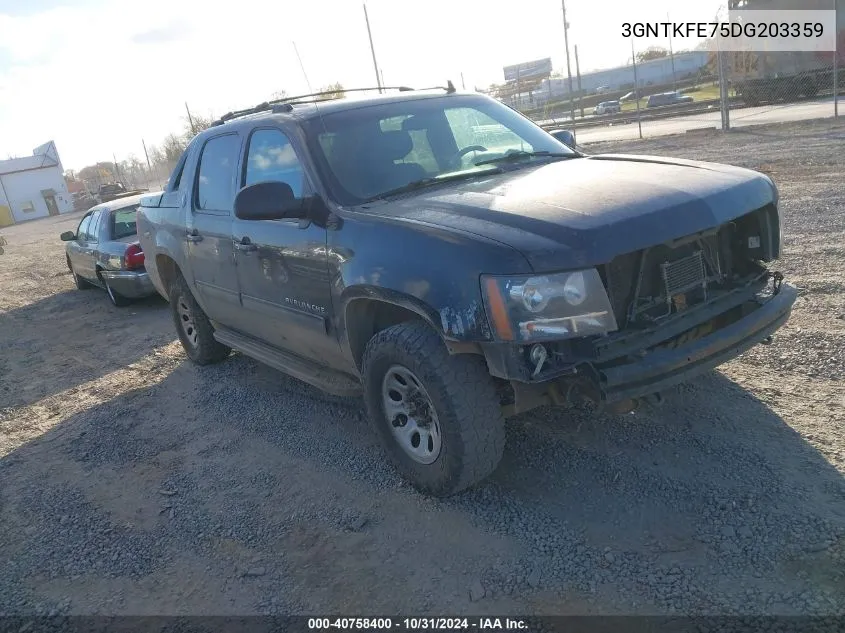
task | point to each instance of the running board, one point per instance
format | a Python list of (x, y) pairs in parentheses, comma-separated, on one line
[(331, 381)]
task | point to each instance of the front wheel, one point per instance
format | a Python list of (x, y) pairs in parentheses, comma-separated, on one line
[(193, 327), (437, 416)]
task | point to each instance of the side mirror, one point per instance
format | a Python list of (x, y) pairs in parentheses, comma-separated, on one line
[(68, 236), (271, 200), (567, 137)]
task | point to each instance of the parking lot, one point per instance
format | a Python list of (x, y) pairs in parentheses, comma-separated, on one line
[(133, 482)]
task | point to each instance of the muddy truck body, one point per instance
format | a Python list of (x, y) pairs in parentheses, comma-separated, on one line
[(455, 276)]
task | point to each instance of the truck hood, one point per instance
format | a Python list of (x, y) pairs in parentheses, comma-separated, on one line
[(586, 211)]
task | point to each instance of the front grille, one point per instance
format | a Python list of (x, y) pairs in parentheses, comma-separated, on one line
[(643, 286)]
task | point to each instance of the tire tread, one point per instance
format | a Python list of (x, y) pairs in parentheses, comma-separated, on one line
[(209, 350), (464, 382)]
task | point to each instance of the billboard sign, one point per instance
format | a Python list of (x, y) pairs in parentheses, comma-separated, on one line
[(538, 69)]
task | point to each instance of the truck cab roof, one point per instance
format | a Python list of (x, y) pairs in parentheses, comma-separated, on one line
[(296, 109)]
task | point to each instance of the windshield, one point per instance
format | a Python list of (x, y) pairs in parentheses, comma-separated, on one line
[(372, 150)]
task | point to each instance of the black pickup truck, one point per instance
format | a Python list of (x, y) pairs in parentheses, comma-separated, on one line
[(443, 255)]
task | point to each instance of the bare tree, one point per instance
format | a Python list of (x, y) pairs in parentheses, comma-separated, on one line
[(652, 52), (99, 172), (200, 123), (334, 91), (134, 171), (172, 147)]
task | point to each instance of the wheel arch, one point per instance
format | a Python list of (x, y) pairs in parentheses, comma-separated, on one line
[(167, 269), (364, 317)]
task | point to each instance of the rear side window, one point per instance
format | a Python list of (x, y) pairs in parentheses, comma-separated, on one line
[(216, 175), (94, 227), (176, 176), (123, 223)]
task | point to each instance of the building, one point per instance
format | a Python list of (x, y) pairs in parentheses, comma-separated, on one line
[(655, 72), (33, 186)]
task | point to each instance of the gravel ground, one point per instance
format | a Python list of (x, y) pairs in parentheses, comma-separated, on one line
[(132, 482)]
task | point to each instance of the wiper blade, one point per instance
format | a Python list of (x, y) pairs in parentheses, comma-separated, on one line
[(515, 156), (427, 182)]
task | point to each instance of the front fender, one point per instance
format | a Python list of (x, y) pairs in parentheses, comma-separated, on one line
[(430, 270), (466, 322)]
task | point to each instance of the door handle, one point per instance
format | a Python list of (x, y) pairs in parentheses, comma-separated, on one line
[(193, 236), (244, 245)]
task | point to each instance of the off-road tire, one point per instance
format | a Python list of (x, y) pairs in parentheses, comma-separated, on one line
[(472, 426), (207, 350)]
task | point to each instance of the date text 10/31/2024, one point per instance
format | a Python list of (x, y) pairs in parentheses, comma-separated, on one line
[(418, 624)]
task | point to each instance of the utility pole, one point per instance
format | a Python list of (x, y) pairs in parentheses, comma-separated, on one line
[(723, 90), (149, 164), (463, 85), (578, 72), (672, 57), (568, 65), (146, 155), (117, 169), (372, 48), (636, 88), (190, 119)]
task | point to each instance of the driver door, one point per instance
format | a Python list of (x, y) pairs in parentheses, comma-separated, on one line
[(282, 265)]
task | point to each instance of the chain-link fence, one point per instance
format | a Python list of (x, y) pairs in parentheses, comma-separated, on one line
[(695, 90)]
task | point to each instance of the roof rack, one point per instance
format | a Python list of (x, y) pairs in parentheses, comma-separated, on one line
[(286, 104)]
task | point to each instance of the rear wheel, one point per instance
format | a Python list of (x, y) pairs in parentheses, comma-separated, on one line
[(193, 327), (437, 416)]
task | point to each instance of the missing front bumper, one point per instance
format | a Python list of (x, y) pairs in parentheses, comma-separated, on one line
[(647, 371), (663, 368)]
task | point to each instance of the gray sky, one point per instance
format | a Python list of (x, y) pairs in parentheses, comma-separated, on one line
[(58, 58)]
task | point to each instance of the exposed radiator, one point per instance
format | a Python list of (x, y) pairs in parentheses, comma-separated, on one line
[(684, 275)]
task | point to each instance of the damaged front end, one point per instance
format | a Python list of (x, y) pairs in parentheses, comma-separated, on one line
[(682, 308)]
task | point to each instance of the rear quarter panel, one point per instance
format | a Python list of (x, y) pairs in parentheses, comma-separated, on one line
[(161, 231), (110, 253)]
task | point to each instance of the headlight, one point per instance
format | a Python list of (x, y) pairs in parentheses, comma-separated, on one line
[(541, 307)]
